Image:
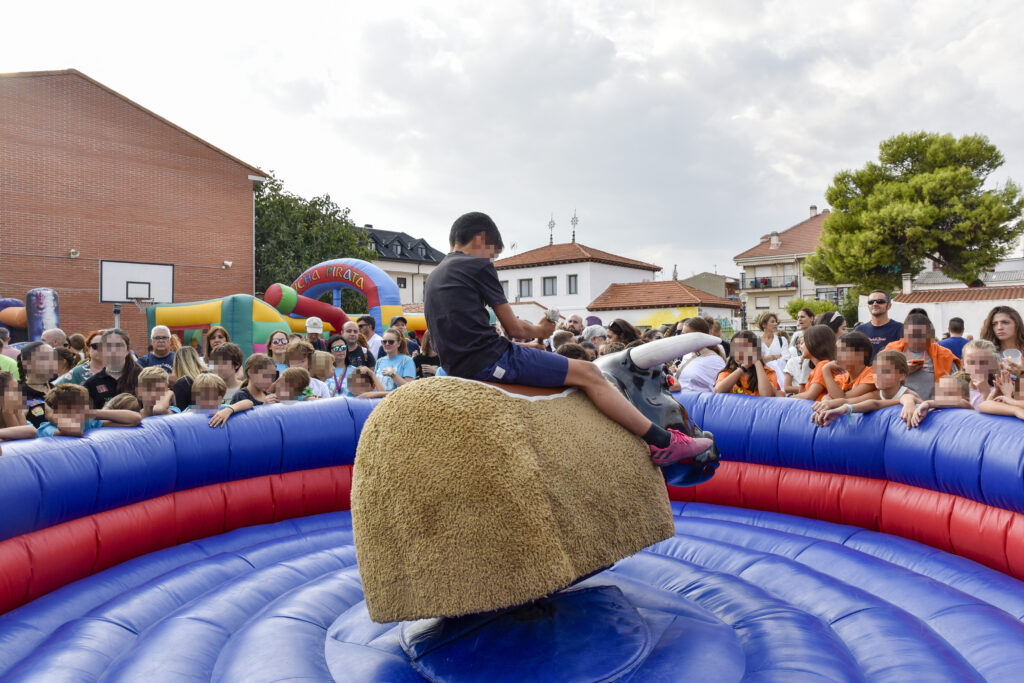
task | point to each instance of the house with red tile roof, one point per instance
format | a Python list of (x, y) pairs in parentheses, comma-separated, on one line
[(567, 276), (651, 304), (772, 270)]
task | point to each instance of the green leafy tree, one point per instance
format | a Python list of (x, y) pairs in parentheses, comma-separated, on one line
[(924, 199), (293, 234), (819, 307)]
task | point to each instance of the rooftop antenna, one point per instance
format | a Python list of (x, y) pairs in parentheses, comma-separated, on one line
[(551, 230), (575, 221)]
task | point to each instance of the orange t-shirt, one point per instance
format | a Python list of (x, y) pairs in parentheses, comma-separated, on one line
[(742, 386), (818, 377), (865, 377)]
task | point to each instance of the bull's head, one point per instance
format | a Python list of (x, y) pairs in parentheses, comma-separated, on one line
[(637, 372)]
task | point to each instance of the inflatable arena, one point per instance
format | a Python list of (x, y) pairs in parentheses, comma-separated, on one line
[(174, 551)]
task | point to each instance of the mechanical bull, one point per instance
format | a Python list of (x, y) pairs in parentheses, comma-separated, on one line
[(469, 497)]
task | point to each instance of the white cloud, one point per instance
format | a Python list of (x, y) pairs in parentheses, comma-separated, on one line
[(681, 132)]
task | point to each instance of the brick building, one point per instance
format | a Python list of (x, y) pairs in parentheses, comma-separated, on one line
[(88, 175)]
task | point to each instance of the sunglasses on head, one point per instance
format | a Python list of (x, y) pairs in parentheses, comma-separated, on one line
[(872, 302)]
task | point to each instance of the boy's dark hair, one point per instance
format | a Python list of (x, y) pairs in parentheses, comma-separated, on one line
[(368, 320), (590, 346), (820, 342), (77, 342), (919, 319), (296, 379), (573, 350), (67, 396), (918, 311), (230, 352), (956, 325), (469, 225), (858, 341)]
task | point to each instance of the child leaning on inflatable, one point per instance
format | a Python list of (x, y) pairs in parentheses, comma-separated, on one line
[(890, 370), (456, 296)]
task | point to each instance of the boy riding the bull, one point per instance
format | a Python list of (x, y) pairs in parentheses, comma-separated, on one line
[(457, 294)]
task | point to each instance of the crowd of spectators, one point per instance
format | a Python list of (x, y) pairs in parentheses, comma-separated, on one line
[(68, 385)]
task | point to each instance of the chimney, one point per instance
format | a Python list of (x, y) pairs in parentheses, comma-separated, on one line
[(774, 239), (814, 210), (908, 283)]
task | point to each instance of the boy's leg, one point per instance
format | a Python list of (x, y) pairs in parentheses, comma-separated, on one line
[(668, 446), (587, 376)]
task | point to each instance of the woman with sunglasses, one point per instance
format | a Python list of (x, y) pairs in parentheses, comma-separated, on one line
[(395, 367), (277, 342), (93, 361), (338, 383)]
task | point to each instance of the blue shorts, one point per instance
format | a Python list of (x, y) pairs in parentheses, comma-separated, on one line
[(532, 367)]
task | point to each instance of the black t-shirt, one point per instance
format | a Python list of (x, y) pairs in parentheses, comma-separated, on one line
[(420, 360), (881, 336), (182, 392), (455, 300), (360, 357), (35, 406), (244, 395), (102, 387)]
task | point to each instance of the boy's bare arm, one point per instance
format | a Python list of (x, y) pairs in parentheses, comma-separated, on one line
[(520, 329)]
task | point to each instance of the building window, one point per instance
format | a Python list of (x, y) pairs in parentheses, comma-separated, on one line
[(398, 249), (572, 284), (784, 301), (504, 287), (421, 250), (525, 288), (401, 282), (762, 302), (550, 288)]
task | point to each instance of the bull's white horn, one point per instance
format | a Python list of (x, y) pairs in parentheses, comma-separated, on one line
[(655, 353)]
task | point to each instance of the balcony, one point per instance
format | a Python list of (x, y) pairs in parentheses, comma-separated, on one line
[(791, 282)]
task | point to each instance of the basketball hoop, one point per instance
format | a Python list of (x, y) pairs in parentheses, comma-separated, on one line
[(142, 303)]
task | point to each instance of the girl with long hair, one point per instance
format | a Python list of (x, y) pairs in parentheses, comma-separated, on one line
[(744, 372), (120, 374)]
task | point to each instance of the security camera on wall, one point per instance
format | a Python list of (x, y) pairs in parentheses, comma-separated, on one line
[(227, 264)]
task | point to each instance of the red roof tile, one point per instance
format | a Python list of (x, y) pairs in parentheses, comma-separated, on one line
[(667, 294), (802, 238), (570, 252), (932, 296)]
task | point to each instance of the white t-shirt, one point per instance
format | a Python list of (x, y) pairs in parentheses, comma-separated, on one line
[(700, 373), (374, 343), (319, 388), (799, 369)]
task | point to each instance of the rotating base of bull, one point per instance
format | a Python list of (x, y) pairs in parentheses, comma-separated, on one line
[(475, 544)]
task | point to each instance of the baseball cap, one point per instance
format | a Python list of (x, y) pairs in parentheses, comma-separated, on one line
[(399, 317), (314, 324), (594, 331)]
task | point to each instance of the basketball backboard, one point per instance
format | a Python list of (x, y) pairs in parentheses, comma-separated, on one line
[(123, 281)]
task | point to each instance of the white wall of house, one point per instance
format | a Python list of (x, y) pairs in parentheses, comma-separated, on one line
[(973, 313), (414, 276), (591, 280)]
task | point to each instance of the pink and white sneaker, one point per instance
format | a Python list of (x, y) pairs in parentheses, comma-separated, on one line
[(682, 447)]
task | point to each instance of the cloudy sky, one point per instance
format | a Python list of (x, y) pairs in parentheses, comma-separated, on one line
[(679, 131)]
